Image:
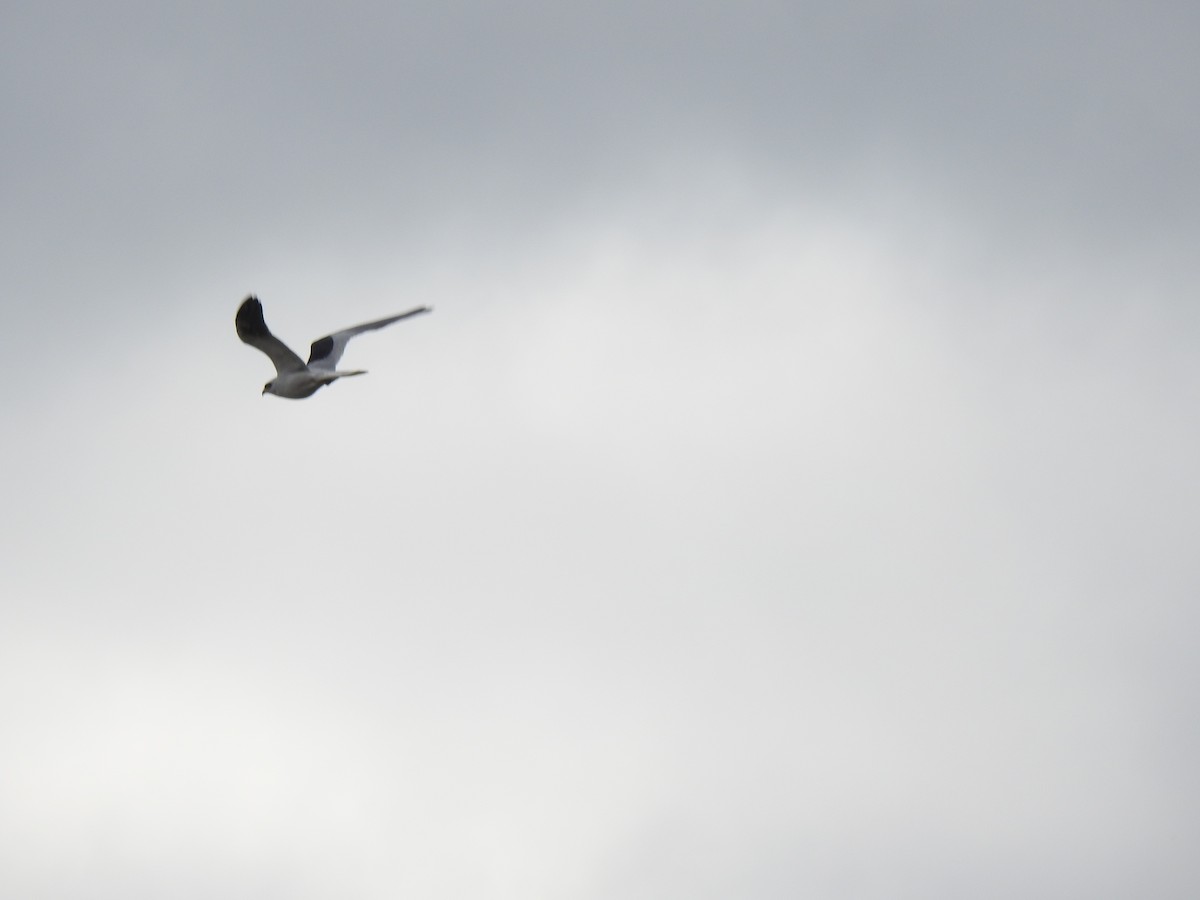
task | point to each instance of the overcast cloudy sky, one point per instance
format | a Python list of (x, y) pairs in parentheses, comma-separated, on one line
[(793, 494)]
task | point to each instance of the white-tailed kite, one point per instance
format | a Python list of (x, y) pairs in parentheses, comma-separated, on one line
[(295, 379)]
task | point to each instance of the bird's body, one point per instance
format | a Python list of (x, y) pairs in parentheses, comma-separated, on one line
[(305, 383), (296, 379)]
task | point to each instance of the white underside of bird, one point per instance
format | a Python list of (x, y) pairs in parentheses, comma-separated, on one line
[(298, 385), (294, 378)]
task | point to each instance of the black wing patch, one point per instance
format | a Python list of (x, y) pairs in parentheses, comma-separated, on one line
[(249, 321), (320, 349)]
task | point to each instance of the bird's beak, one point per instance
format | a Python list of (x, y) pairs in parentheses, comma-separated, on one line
[(264, 392)]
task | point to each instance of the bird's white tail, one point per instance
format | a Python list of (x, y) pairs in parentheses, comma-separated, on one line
[(331, 377)]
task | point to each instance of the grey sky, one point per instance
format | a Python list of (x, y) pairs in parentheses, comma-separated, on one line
[(793, 493)]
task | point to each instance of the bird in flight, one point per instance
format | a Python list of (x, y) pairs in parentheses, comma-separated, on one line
[(295, 379)]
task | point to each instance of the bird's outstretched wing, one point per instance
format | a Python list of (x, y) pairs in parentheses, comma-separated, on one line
[(326, 351), (252, 329)]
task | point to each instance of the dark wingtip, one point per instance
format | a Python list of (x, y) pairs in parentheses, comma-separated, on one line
[(249, 320), (320, 349)]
